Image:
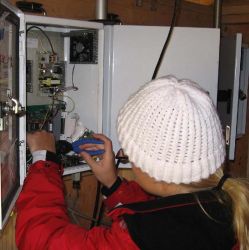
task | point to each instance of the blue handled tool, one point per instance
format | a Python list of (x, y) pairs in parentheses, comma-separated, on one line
[(76, 146)]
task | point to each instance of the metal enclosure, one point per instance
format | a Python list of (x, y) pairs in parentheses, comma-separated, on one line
[(87, 77)]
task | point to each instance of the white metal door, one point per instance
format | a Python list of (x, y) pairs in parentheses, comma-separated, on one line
[(10, 109), (131, 54), (228, 93), (243, 98)]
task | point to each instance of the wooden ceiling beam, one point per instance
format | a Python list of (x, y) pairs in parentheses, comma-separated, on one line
[(235, 14), (235, 19), (235, 9), (202, 2)]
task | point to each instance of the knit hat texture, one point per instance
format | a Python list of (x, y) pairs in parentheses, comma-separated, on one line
[(170, 129)]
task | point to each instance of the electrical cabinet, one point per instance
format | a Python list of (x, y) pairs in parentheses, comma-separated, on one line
[(65, 63), (50, 68)]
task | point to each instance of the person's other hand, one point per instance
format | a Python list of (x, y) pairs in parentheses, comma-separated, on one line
[(104, 169), (41, 140)]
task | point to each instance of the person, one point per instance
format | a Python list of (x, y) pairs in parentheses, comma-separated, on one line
[(180, 199)]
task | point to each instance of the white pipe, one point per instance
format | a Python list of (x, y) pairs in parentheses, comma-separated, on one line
[(101, 9)]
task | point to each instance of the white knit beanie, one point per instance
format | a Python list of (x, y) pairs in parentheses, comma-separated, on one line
[(170, 129)]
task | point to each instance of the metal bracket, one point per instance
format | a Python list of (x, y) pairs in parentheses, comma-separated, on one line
[(242, 95), (226, 96)]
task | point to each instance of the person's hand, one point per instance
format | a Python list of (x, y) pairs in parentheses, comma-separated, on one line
[(41, 140), (104, 169)]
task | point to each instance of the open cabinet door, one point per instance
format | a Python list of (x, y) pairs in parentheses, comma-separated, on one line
[(24, 57), (10, 110), (243, 98), (228, 88)]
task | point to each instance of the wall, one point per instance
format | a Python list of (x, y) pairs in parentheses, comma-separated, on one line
[(150, 14), (7, 236)]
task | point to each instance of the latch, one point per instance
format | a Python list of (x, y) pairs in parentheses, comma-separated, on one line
[(10, 107), (13, 106)]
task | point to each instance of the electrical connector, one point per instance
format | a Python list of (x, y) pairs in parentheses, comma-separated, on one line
[(76, 181), (31, 7)]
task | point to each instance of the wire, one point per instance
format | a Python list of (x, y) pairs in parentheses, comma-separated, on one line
[(101, 212), (75, 88), (30, 159), (172, 25), (49, 113), (84, 216), (96, 205), (70, 98), (89, 173), (73, 75), (44, 33), (72, 109), (45, 119)]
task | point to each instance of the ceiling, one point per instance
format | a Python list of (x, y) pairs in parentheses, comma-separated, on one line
[(225, 2), (233, 11), (203, 2)]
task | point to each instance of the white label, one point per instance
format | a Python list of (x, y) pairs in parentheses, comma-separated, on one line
[(32, 43), (1, 124)]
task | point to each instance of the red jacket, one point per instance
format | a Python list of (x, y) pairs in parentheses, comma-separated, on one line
[(42, 219), (174, 222)]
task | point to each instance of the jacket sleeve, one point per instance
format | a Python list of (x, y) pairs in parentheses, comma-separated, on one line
[(43, 223)]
